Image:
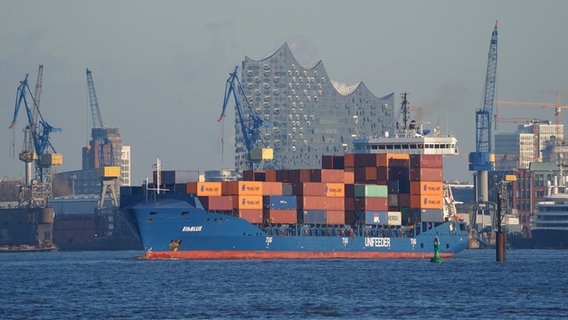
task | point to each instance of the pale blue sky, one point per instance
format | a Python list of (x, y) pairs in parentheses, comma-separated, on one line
[(160, 66)]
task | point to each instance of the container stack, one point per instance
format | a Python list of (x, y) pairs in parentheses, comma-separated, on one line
[(369, 189), (426, 188)]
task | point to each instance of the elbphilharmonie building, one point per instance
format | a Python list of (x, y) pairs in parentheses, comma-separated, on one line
[(309, 116)]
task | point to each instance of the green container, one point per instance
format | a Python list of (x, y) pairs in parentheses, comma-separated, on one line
[(371, 191)]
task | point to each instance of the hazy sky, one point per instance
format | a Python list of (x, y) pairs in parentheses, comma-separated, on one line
[(160, 67)]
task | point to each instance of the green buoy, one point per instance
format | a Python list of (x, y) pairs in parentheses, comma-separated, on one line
[(436, 258)]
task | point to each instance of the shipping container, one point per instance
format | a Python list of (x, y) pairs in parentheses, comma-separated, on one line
[(397, 173), (219, 203), (404, 200), (311, 202), (314, 216), (247, 202), (283, 176), (335, 190), (281, 216), (242, 188), (426, 202), (335, 217), (309, 189), (349, 175), (371, 190), (426, 174), (204, 188), (280, 202), (371, 204), (430, 215), (299, 175), (393, 200), (385, 218), (327, 175), (349, 160), (426, 161), (427, 187), (250, 215), (272, 188), (334, 203)]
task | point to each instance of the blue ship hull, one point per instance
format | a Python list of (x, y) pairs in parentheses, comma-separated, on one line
[(179, 228)]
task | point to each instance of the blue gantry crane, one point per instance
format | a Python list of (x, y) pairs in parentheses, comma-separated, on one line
[(37, 147), (250, 125), (482, 159)]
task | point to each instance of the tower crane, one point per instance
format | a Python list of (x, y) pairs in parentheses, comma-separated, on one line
[(37, 146), (557, 107), (250, 125), (482, 159)]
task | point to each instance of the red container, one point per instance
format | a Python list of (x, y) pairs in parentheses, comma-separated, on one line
[(326, 175), (382, 173), (250, 215), (272, 188), (281, 216), (222, 203), (335, 217), (312, 202), (371, 204), (426, 161), (270, 175), (426, 174), (309, 189), (399, 163), (334, 203), (349, 160)]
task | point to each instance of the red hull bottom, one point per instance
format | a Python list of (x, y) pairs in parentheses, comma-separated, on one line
[(230, 254)]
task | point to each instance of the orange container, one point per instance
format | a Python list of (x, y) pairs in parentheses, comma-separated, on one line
[(349, 175), (309, 189), (204, 188), (335, 190), (242, 188), (426, 202), (427, 187), (250, 215), (247, 202)]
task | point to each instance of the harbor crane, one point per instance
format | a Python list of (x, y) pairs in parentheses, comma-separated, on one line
[(37, 148), (482, 160), (250, 125), (109, 172)]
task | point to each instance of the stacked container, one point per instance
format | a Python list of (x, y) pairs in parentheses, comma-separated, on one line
[(426, 188)]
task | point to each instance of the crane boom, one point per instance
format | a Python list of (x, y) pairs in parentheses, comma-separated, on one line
[(95, 111), (250, 125), (480, 160)]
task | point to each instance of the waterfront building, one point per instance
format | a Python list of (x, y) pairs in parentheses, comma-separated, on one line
[(311, 114)]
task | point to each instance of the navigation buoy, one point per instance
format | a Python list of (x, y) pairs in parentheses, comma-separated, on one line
[(436, 258)]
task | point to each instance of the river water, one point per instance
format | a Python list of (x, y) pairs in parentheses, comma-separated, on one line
[(530, 284)]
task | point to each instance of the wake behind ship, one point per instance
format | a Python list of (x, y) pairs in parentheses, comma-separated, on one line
[(340, 211)]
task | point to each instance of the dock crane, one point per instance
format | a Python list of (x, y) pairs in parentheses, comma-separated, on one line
[(37, 147), (482, 159), (250, 125), (109, 172)]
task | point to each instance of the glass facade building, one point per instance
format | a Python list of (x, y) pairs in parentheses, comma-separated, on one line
[(310, 117)]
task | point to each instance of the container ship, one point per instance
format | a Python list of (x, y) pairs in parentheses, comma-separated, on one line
[(367, 205)]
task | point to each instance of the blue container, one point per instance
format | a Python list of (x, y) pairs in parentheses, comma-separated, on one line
[(314, 216), (281, 202)]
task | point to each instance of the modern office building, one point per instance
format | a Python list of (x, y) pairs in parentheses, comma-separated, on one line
[(310, 116)]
